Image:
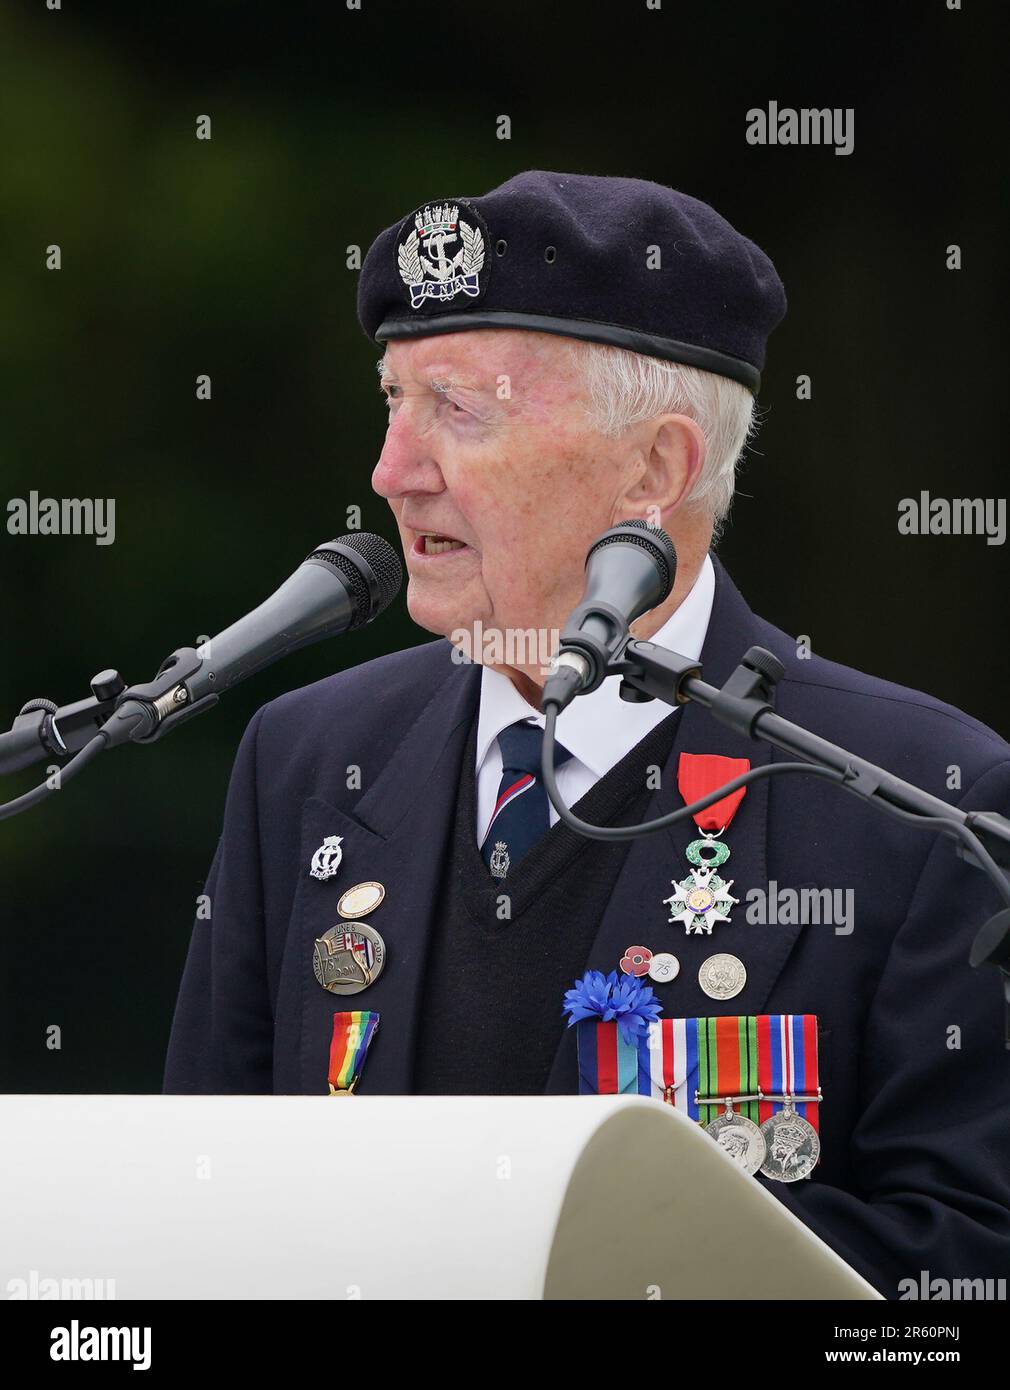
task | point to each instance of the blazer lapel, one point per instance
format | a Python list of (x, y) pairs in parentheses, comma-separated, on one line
[(398, 836), (636, 914)]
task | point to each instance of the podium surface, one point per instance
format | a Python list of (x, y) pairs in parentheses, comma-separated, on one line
[(197, 1197)]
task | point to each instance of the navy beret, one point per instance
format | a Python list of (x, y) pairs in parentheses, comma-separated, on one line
[(612, 260)]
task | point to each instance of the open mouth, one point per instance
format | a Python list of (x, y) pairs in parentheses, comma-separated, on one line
[(434, 543)]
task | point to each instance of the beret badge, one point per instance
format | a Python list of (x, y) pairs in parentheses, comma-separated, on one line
[(440, 255)]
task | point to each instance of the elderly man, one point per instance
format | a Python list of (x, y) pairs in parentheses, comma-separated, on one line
[(561, 355)]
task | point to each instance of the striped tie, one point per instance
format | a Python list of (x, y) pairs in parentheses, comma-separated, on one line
[(521, 815)]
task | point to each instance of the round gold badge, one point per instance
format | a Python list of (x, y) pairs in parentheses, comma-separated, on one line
[(361, 899)]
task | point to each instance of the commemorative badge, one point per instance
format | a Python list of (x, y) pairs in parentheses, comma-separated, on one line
[(348, 958), (326, 860), (703, 898), (441, 254)]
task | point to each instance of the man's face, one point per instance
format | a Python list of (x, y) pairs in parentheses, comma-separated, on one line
[(488, 445)]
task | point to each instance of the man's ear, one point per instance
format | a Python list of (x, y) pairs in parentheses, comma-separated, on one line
[(671, 451)]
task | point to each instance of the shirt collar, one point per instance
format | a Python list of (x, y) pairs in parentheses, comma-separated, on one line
[(600, 729)]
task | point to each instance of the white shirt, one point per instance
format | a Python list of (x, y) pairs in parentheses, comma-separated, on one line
[(597, 729)]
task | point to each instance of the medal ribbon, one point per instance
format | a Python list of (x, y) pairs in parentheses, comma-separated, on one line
[(608, 1065), (727, 1062), (738, 1055), (735, 1055), (787, 1062), (352, 1034), (700, 773)]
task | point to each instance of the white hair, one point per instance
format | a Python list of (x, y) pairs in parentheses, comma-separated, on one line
[(625, 388)]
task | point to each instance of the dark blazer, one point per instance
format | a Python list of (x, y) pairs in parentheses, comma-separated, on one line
[(915, 1122)]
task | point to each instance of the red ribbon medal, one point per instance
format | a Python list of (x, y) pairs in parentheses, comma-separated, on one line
[(703, 897)]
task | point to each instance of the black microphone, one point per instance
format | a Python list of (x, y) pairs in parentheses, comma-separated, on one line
[(630, 569), (342, 585)]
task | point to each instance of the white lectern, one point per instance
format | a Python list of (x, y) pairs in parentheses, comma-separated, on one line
[(392, 1198)]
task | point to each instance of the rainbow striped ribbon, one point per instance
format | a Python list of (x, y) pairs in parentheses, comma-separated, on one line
[(352, 1034), (736, 1055)]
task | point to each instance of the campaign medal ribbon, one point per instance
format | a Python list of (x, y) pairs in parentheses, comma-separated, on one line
[(352, 1034), (728, 1073), (609, 1062), (703, 897)]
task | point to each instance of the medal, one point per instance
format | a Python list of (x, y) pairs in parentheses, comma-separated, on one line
[(352, 1035), (326, 860), (703, 897), (361, 899), (788, 1079), (722, 976), (727, 1069), (347, 959), (792, 1145), (739, 1137), (750, 1080)]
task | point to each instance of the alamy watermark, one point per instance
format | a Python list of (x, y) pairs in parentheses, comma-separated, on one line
[(806, 125), (63, 516), (954, 1290), (775, 906), (953, 516), (518, 647)]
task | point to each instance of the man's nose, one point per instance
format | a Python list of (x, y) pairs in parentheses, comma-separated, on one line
[(406, 464)]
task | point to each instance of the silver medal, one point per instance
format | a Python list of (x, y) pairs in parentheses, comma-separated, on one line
[(792, 1144), (740, 1138), (722, 976), (348, 958), (326, 860)]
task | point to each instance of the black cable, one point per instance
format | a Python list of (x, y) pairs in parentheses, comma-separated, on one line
[(631, 832), (87, 754), (955, 829)]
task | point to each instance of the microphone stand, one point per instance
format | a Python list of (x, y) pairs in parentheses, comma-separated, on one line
[(746, 704), (115, 714)]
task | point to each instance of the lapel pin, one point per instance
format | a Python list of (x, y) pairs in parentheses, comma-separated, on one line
[(663, 967), (361, 899), (636, 960), (326, 860)]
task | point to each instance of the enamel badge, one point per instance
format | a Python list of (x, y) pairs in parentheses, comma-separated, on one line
[(326, 860)]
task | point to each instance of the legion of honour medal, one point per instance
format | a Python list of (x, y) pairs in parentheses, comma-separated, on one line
[(703, 897)]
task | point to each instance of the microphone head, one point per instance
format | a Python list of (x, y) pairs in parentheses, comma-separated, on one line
[(655, 541), (371, 568)]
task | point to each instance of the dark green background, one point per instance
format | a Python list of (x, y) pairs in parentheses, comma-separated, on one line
[(182, 257)]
